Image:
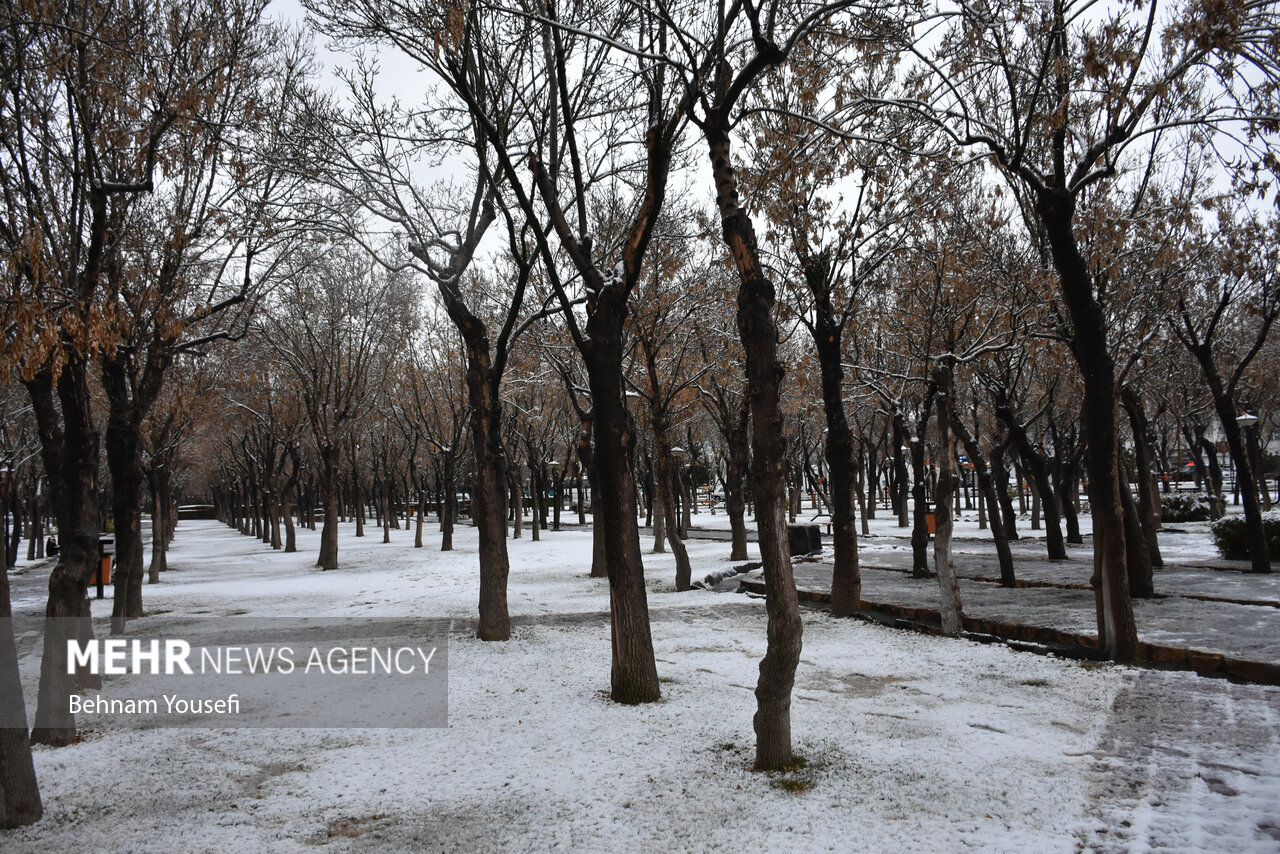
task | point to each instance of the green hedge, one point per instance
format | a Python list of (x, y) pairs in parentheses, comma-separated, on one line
[(1229, 536)]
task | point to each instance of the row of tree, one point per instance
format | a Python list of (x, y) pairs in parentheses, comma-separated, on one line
[(991, 227)]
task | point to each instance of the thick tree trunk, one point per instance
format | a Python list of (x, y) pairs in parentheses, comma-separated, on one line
[(634, 673), (124, 459), (328, 558), (759, 334), (69, 449), (18, 787), (846, 580), (488, 493), (948, 584), (1117, 630)]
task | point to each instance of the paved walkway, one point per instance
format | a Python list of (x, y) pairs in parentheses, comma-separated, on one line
[(1206, 605)]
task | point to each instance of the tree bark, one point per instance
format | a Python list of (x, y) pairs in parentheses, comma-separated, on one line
[(1037, 467), (1137, 560), (1225, 407), (846, 580), (328, 558), (634, 672), (21, 793), (69, 449), (1148, 497), (988, 488), (735, 503), (948, 584), (759, 335), (1117, 630)]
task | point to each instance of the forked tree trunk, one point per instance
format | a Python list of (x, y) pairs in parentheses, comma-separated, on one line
[(1137, 560), (988, 489), (664, 478), (901, 477), (1225, 407), (1037, 467), (69, 449)]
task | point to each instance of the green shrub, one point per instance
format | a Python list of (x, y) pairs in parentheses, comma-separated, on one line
[(1185, 507), (1229, 536)]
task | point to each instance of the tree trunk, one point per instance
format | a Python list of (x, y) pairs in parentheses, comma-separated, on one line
[(488, 493), (948, 584), (846, 580), (901, 477), (159, 482), (124, 459), (1137, 560), (735, 503), (759, 335), (1246, 480), (328, 558), (21, 793), (449, 501), (1004, 502), (634, 672), (290, 535), (920, 508), (665, 482), (1148, 496), (988, 497), (1117, 630), (69, 449), (1037, 468)]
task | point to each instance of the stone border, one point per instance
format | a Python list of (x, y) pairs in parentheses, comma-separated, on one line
[(1045, 640)]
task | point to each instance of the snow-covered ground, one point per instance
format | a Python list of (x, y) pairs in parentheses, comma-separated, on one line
[(913, 743)]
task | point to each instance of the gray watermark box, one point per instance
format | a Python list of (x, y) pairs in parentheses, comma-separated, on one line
[(258, 672)]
